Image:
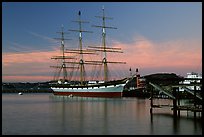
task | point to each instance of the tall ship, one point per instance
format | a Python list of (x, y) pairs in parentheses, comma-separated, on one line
[(75, 62)]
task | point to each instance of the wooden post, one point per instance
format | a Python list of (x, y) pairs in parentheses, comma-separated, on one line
[(201, 88), (151, 105), (195, 102), (151, 100), (175, 102), (178, 98)]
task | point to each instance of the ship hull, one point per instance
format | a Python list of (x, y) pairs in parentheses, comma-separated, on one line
[(91, 91)]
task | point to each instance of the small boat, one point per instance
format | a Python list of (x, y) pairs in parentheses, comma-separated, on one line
[(70, 95), (20, 93)]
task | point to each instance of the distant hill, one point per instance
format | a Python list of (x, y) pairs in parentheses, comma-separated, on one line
[(164, 78), (39, 87)]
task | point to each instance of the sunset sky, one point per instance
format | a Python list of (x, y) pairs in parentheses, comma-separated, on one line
[(154, 36)]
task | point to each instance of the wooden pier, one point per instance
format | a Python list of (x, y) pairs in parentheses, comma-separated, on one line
[(172, 92)]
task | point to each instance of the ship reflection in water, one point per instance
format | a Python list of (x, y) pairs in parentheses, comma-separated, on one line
[(117, 116), (47, 114)]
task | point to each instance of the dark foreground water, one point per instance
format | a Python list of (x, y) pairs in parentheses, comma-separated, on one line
[(45, 114)]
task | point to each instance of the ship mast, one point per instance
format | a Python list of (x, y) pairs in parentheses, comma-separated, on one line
[(62, 57), (80, 51), (104, 48)]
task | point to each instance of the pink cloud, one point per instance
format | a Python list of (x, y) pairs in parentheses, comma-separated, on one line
[(178, 56), (171, 54), (26, 78), (31, 57), (20, 66)]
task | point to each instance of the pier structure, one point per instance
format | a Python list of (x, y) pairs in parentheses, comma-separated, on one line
[(172, 92)]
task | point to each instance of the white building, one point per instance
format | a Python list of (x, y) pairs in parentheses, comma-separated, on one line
[(194, 76)]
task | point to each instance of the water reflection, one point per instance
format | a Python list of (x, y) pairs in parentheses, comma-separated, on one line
[(45, 114), (178, 125), (80, 112), (117, 116), (184, 121)]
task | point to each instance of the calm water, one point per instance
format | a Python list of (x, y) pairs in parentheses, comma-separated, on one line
[(45, 114)]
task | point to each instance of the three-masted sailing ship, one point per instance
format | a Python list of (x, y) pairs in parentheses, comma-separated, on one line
[(83, 87)]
